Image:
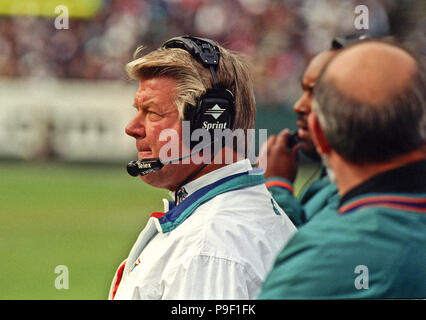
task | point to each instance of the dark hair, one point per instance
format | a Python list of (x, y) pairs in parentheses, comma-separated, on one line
[(361, 132)]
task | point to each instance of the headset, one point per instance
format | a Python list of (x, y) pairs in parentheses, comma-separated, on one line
[(293, 139), (343, 41), (214, 110)]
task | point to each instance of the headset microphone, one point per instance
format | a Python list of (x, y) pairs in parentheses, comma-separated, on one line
[(293, 139), (144, 166)]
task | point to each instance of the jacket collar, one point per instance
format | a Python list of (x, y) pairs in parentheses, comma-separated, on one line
[(211, 177), (235, 176), (400, 188)]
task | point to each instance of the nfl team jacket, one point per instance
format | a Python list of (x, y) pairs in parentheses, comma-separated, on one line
[(219, 242), (372, 246)]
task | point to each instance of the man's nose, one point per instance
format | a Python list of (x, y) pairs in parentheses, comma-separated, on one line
[(136, 127), (303, 105)]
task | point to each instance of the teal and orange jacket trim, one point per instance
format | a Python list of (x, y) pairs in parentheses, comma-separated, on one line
[(280, 183), (320, 194), (412, 203)]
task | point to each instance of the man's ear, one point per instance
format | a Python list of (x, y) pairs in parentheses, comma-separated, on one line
[(317, 134)]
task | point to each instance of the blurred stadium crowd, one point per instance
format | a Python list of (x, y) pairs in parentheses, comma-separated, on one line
[(71, 82), (277, 36)]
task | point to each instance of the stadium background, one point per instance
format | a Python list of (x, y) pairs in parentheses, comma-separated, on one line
[(65, 198)]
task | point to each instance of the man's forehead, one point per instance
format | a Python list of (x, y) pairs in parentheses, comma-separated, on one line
[(316, 65), (157, 84), (155, 89)]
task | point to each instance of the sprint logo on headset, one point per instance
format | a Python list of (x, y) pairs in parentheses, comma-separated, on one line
[(215, 111)]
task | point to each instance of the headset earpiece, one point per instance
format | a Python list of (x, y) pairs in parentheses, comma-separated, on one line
[(215, 109)]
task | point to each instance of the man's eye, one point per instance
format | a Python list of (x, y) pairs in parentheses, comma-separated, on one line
[(153, 116), (309, 90)]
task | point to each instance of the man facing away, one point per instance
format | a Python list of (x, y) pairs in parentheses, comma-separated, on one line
[(369, 126), (220, 237)]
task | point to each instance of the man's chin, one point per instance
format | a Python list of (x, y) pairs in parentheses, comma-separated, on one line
[(309, 150), (165, 178), (154, 179)]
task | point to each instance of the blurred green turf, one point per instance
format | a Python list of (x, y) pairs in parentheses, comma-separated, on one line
[(82, 216)]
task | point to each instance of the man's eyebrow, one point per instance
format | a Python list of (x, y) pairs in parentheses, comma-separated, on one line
[(145, 105), (138, 107)]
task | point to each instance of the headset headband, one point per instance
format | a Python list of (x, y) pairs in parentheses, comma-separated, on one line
[(204, 50), (343, 41), (216, 101)]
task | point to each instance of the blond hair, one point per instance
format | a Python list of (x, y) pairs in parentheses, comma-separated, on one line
[(193, 79)]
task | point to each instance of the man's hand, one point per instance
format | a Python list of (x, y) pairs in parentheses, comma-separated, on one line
[(276, 159)]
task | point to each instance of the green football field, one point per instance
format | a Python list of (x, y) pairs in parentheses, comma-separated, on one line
[(83, 217)]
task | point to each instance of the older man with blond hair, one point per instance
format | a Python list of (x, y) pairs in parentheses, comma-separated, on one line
[(219, 238)]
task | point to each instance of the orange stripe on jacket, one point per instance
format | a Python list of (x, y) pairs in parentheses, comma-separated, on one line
[(282, 184), (119, 276)]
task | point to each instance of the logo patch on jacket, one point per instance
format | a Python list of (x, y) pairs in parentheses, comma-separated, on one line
[(137, 262)]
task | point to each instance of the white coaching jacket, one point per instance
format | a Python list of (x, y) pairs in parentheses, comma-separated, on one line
[(218, 243)]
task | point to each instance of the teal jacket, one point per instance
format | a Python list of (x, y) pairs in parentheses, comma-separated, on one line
[(320, 194), (373, 246)]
